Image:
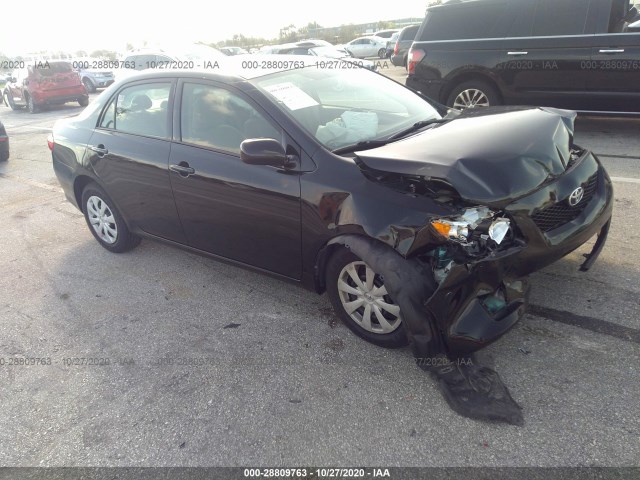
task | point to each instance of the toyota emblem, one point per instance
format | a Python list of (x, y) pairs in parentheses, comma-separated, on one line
[(576, 196)]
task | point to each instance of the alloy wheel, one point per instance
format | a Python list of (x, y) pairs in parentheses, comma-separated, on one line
[(469, 98)]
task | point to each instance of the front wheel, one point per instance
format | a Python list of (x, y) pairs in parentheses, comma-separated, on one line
[(105, 221), (360, 298), (8, 99), (31, 105), (83, 101), (474, 93), (88, 84)]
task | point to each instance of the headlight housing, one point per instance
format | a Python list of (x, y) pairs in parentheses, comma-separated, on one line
[(474, 223)]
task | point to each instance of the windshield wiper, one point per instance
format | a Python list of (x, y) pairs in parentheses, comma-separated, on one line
[(365, 144), (417, 126)]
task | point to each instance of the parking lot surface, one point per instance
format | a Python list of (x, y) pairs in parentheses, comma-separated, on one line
[(160, 357)]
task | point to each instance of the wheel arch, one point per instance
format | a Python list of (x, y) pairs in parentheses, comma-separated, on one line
[(79, 184), (329, 249)]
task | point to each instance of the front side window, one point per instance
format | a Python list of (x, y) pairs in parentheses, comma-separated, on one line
[(139, 109), (344, 107), (217, 118)]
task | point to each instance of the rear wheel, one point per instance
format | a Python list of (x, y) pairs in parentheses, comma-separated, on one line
[(382, 52), (31, 105), (360, 298), (105, 221), (471, 94), (83, 101)]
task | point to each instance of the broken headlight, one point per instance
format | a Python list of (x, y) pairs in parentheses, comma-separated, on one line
[(478, 223)]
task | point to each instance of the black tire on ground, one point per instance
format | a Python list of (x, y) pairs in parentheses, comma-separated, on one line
[(8, 99), (31, 105), (88, 84), (124, 239), (338, 261), (83, 101), (473, 87), (382, 52)]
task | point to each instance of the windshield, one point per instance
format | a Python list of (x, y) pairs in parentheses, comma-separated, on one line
[(343, 107)]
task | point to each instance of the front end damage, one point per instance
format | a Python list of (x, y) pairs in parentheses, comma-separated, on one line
[(461, 279)]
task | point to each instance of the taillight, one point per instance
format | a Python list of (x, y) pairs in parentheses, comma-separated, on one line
[(415, 57), (396, 48), (50, 141)]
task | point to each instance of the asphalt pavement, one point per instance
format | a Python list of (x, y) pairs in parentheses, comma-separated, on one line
[(160, 357)]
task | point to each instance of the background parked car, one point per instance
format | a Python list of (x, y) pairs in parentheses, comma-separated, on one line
[(44, 83), (391, 44), (367, 47), (573, 54), (94, 78), (233, 51), (326, 52), (386, 34), (4, 144), (148, 58), (403, 44)]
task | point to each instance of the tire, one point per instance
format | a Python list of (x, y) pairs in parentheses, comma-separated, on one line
[(382, 53), (8, 99), (343, 289), (31, 105), (88, 84), (105, 221), (83, 101), (471, 94)]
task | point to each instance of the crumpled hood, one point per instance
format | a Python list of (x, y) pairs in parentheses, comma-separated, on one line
[(490, 155)]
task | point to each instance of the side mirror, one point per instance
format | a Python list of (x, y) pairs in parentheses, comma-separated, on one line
[(263, 151)]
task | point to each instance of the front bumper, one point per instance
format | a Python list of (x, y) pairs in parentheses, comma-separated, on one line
[(466, 324), (102, 82)]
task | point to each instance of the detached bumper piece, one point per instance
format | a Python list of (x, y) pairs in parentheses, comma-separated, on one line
[(597, 248)]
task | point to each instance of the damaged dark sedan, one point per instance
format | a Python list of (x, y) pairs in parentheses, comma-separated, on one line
[(420, 223)]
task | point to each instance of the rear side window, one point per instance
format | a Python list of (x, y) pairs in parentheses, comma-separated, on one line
[(465, 21), (553, 17), (409, 33), (140, 109)]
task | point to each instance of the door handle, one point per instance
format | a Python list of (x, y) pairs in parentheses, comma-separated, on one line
[(517, 53), (183, 169), (99, 149), (612, 50)]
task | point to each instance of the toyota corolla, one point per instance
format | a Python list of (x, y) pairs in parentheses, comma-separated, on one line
[(420, 223)]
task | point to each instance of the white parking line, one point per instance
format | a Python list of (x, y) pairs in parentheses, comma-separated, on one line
[(625, 179), (28, 126), (32, 183)]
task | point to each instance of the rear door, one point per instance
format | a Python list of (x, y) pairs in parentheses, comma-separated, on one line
[(545, 51), (247, 213), (614, 69), (129, 151)]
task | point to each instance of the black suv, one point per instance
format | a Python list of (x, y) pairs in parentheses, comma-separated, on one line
[(577, 54), (403, 44)]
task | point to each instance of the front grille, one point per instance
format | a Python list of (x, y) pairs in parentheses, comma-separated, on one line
[(560, 213)]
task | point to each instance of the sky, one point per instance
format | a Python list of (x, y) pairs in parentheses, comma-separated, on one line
[(74, 25)]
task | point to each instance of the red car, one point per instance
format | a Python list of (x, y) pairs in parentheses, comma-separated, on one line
[(45, 83)]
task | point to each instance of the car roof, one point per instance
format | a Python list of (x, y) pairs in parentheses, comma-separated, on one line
[(231, 70)]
